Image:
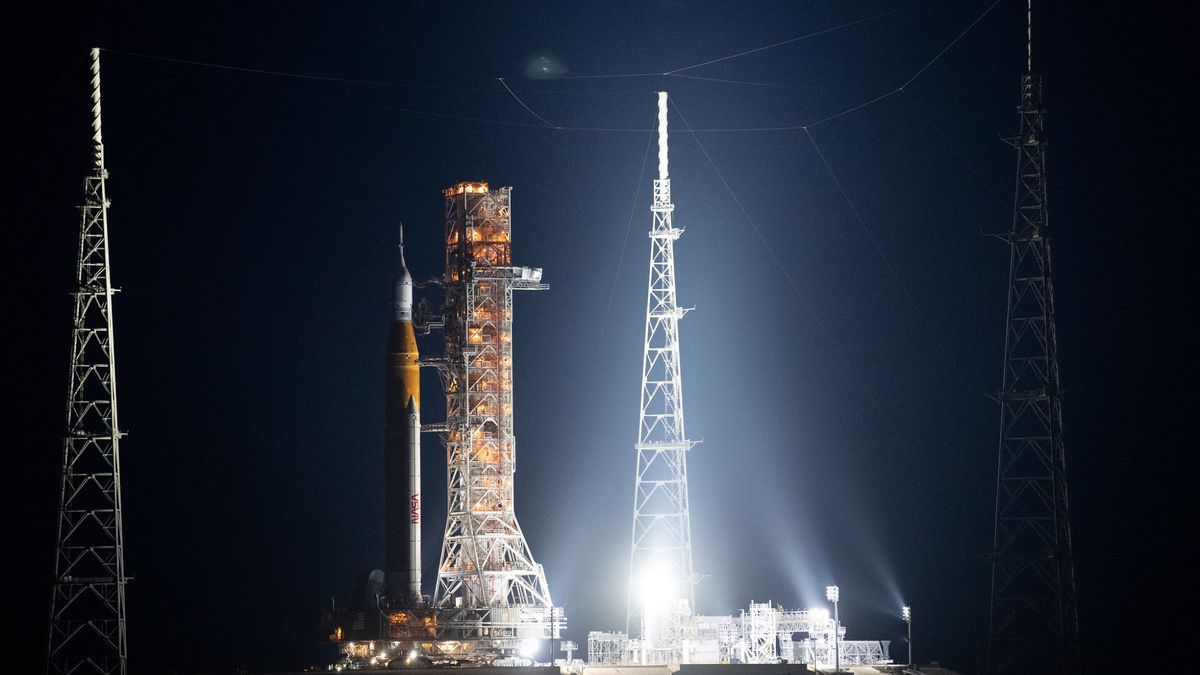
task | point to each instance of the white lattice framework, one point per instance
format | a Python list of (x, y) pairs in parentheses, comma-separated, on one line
[(485, 561), (608, 649), (661, 551), (759, 628), (87, 614), (762, 634)]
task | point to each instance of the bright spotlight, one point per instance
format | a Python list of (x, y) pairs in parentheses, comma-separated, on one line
[(656, 584), (528, 648), (906, 614), (831, 594)]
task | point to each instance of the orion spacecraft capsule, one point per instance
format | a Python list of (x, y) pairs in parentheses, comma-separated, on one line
[(402, 449)]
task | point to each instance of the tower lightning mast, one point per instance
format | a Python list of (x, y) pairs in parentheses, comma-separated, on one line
[(1033, 625), (661, 582), (87, 614)]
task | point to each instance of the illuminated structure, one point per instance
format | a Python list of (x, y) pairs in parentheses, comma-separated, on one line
[(764, 633), (485, 561), (661, 600), (661, 582), (87, 615), (491, 603), (1033, 626)]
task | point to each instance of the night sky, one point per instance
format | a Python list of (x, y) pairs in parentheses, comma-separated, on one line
[(847, 331)]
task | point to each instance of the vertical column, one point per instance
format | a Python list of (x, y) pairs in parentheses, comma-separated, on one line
[(1033, 625), (660, 566), (87, 615)]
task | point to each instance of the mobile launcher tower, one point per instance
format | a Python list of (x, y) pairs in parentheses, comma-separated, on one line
[(491, 603)]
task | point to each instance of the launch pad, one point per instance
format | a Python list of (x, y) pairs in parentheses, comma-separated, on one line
[(491, 602)]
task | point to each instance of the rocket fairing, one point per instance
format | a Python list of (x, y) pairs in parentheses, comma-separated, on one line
[(402, 451)]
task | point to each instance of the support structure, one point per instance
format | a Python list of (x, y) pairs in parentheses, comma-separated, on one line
[(661, 581), (763, 633), (485, 563), (1033, 624), (87, 615)]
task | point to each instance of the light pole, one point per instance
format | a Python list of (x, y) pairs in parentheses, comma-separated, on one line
[(831, 594), (906, 614)]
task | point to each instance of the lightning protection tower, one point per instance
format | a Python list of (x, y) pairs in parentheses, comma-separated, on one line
[(1033, 625), (661, 583), (87, 615)]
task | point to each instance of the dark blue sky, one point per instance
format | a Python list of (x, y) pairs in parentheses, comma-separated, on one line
[(836, 366)]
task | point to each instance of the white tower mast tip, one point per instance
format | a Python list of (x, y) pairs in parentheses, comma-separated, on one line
[(97, 139), (662, 135)]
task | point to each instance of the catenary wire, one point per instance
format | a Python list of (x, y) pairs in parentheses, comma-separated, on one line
[(58, 92), (754, 226), (518, 100), (955, 151), (55, 91), (612, 292), (875, 242), (799, 38), (952, 43), (792, 127), (841, 353), (748, 83)]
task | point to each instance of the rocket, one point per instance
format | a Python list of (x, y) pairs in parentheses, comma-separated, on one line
[(402, 448)]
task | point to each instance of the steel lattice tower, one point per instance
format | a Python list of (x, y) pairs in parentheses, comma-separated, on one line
[(1033, 625), (87, 615), (486, 563), (660, 562)]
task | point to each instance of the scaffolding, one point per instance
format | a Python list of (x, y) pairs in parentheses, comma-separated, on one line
[(486, 565), (759, 628), (763, 633), (608, 649)]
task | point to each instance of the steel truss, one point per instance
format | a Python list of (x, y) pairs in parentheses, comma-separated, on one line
[(87, 615), (759, 628), (486, 563), (608, 649), (1033, 626), (763, 634), (661, 551)]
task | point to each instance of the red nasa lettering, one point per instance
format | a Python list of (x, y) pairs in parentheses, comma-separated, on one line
[(414, 508)]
